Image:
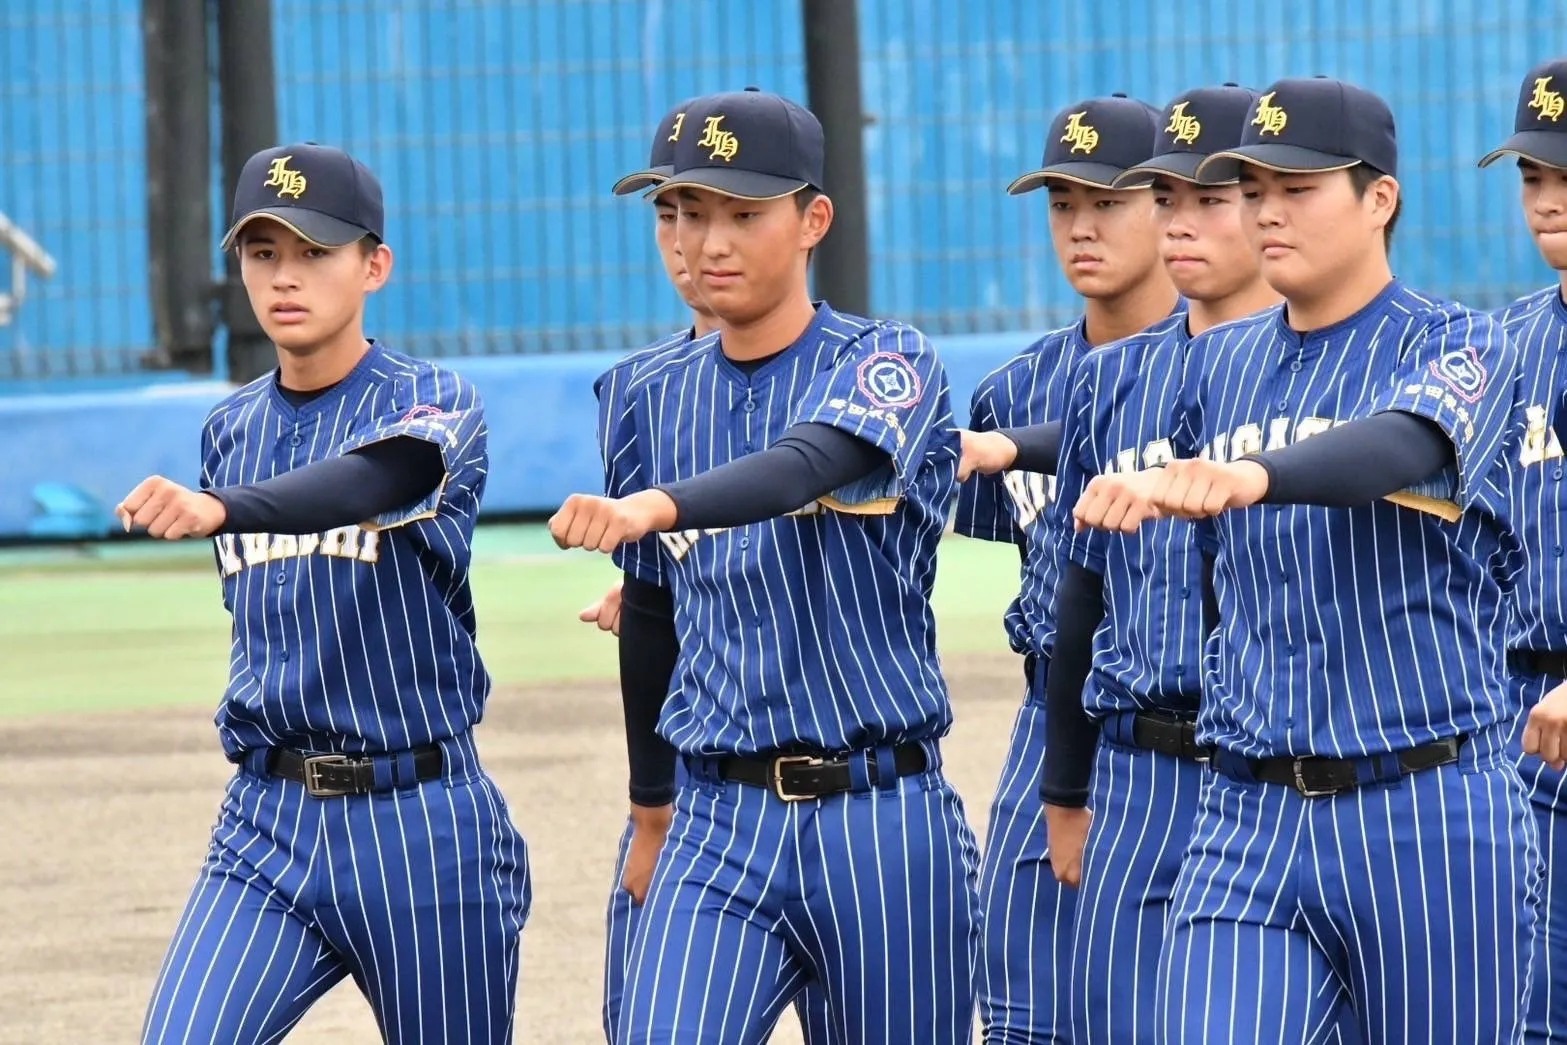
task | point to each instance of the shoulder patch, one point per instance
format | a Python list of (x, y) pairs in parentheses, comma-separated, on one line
[(888, 380), (1461, 371)]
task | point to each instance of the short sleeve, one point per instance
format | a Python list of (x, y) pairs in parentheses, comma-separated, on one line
[(984, 509), (624, 474), (888, 388), (1461, 374), (1087, 548), (441, 408)]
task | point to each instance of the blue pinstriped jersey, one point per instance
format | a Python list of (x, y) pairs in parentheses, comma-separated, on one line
[(1537, 326), (1346, 632), (360, 638), (1028, 389), (1148, 650), (813, 630)]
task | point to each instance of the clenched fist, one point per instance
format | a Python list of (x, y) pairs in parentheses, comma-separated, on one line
[(1545, 734), (985, 453), (1186, 489), (166, 509), (605, 523)]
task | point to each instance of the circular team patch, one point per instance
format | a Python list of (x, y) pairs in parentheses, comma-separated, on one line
[(1462, 371), (887, 380)]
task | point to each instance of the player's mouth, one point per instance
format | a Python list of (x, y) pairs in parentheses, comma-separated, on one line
[(287, 312), (1086, 262), (1184, 260), (720, 277), (1275, 248)]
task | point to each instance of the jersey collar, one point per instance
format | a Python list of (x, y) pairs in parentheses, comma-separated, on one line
[(356, 377)]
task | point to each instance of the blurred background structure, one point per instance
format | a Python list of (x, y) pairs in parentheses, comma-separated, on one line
[(497, 127)]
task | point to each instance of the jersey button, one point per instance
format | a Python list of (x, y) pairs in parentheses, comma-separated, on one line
[(282, 577), (1556, 473), (283, 655), (1295, 367), (1186, 593), (296, 440), (1557, 551), (1284, 404), (750, 406), (745, 542)]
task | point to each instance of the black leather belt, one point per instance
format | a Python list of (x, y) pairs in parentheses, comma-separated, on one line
[(1319, 777), (800, 778), (332, 776), (1538, 662), (1169, 734)]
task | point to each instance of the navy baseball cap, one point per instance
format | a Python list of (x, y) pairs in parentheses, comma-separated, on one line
[(1196, 125), (661, 161), (748, 144), (1094, 142), (1302, 126), (321, 194), (1540, 128)]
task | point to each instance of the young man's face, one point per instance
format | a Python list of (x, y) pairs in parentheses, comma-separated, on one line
[(664, 216), (305, 295), (1309, 230), (1202, 239), (1105, 239), (1545, 208), (746, 256)]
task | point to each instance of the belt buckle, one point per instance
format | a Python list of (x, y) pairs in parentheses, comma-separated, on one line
[(1309, 792), (792, 760), (313, 783)]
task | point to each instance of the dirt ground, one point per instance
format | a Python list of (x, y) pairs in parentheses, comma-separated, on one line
[(105, 820)]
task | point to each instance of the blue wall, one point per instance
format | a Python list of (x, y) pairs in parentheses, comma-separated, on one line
[(498, 128), (91, 448)]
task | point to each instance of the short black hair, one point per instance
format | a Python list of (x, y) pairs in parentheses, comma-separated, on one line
[(1361, 175), (805, 197)]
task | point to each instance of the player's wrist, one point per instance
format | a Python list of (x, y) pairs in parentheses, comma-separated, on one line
[(656, 508), (1256, 475), (652, 817)]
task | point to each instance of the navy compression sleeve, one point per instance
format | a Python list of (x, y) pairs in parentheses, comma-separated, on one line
[(1071, 736), (340, 491), (807, 462), (1038, 447), (649, 649), (1357, 462)]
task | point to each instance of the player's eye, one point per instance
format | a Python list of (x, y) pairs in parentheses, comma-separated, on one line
[(746, 215), (1060, 205), (1161, 201), (1211, 201), (1250, 194), (1106, 204), (316, 252), (261, 253), (666, 215), (691, 215), (1296, 190)]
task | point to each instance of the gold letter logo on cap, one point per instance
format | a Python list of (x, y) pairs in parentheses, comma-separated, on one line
[(1081, 136), (1183, 128), (1546, 100), (723, 143), (674, 134), (1269, 116), (288, 183)]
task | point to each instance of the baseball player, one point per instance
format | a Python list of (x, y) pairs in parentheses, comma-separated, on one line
[(1107, 245), (1537, 325), (796, 465), (1365, 841), (1129, 608), (654, 767), (360, 835)]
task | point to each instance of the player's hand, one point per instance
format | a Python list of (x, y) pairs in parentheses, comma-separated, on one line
[(1066, 828), (1119, 501), (1196, 489), (649, 828), (605, 612), (1545, 734), (166, 509), (984, 452), (605, 523)]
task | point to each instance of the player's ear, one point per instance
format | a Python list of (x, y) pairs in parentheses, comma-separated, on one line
[(379, 269), (1381, 200), (815, 222)]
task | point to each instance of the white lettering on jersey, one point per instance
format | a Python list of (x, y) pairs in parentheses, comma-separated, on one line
[(1031, 494), (1152, 455), (238, 552), (1539, 441), (1248, 438), (678, 543)]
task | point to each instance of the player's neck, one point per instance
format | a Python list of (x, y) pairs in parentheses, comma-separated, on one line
[(1111, 319), (1254, 297), (702, 324), (323, 366), (769, 334), (1342, 299), (1562, 284)]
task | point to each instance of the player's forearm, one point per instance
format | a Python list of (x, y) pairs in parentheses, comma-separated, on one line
[(649, 650), (1358, 462), (1038, 447), (340, 491), (1071, 736), (809, 461)]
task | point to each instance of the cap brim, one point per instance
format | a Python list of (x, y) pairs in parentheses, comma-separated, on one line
[(1094, 175), (1286, 159), (312, 226), (1181, 166), (1544, 147), (643, 179), (742, 185)]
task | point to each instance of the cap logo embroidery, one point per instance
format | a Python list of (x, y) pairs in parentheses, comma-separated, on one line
[(1183, 127), (674, 132), (1269, 117), (1548, 102), (1081, 136), (287, 182), (724, 144)]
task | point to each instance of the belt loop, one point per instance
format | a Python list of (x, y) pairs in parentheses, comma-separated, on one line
[(404, 772), (385, 773), (886, 766), (860, 771), (255, 761)]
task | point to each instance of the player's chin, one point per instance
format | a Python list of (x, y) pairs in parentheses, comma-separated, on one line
[(1100, 283), (1553, 249)]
